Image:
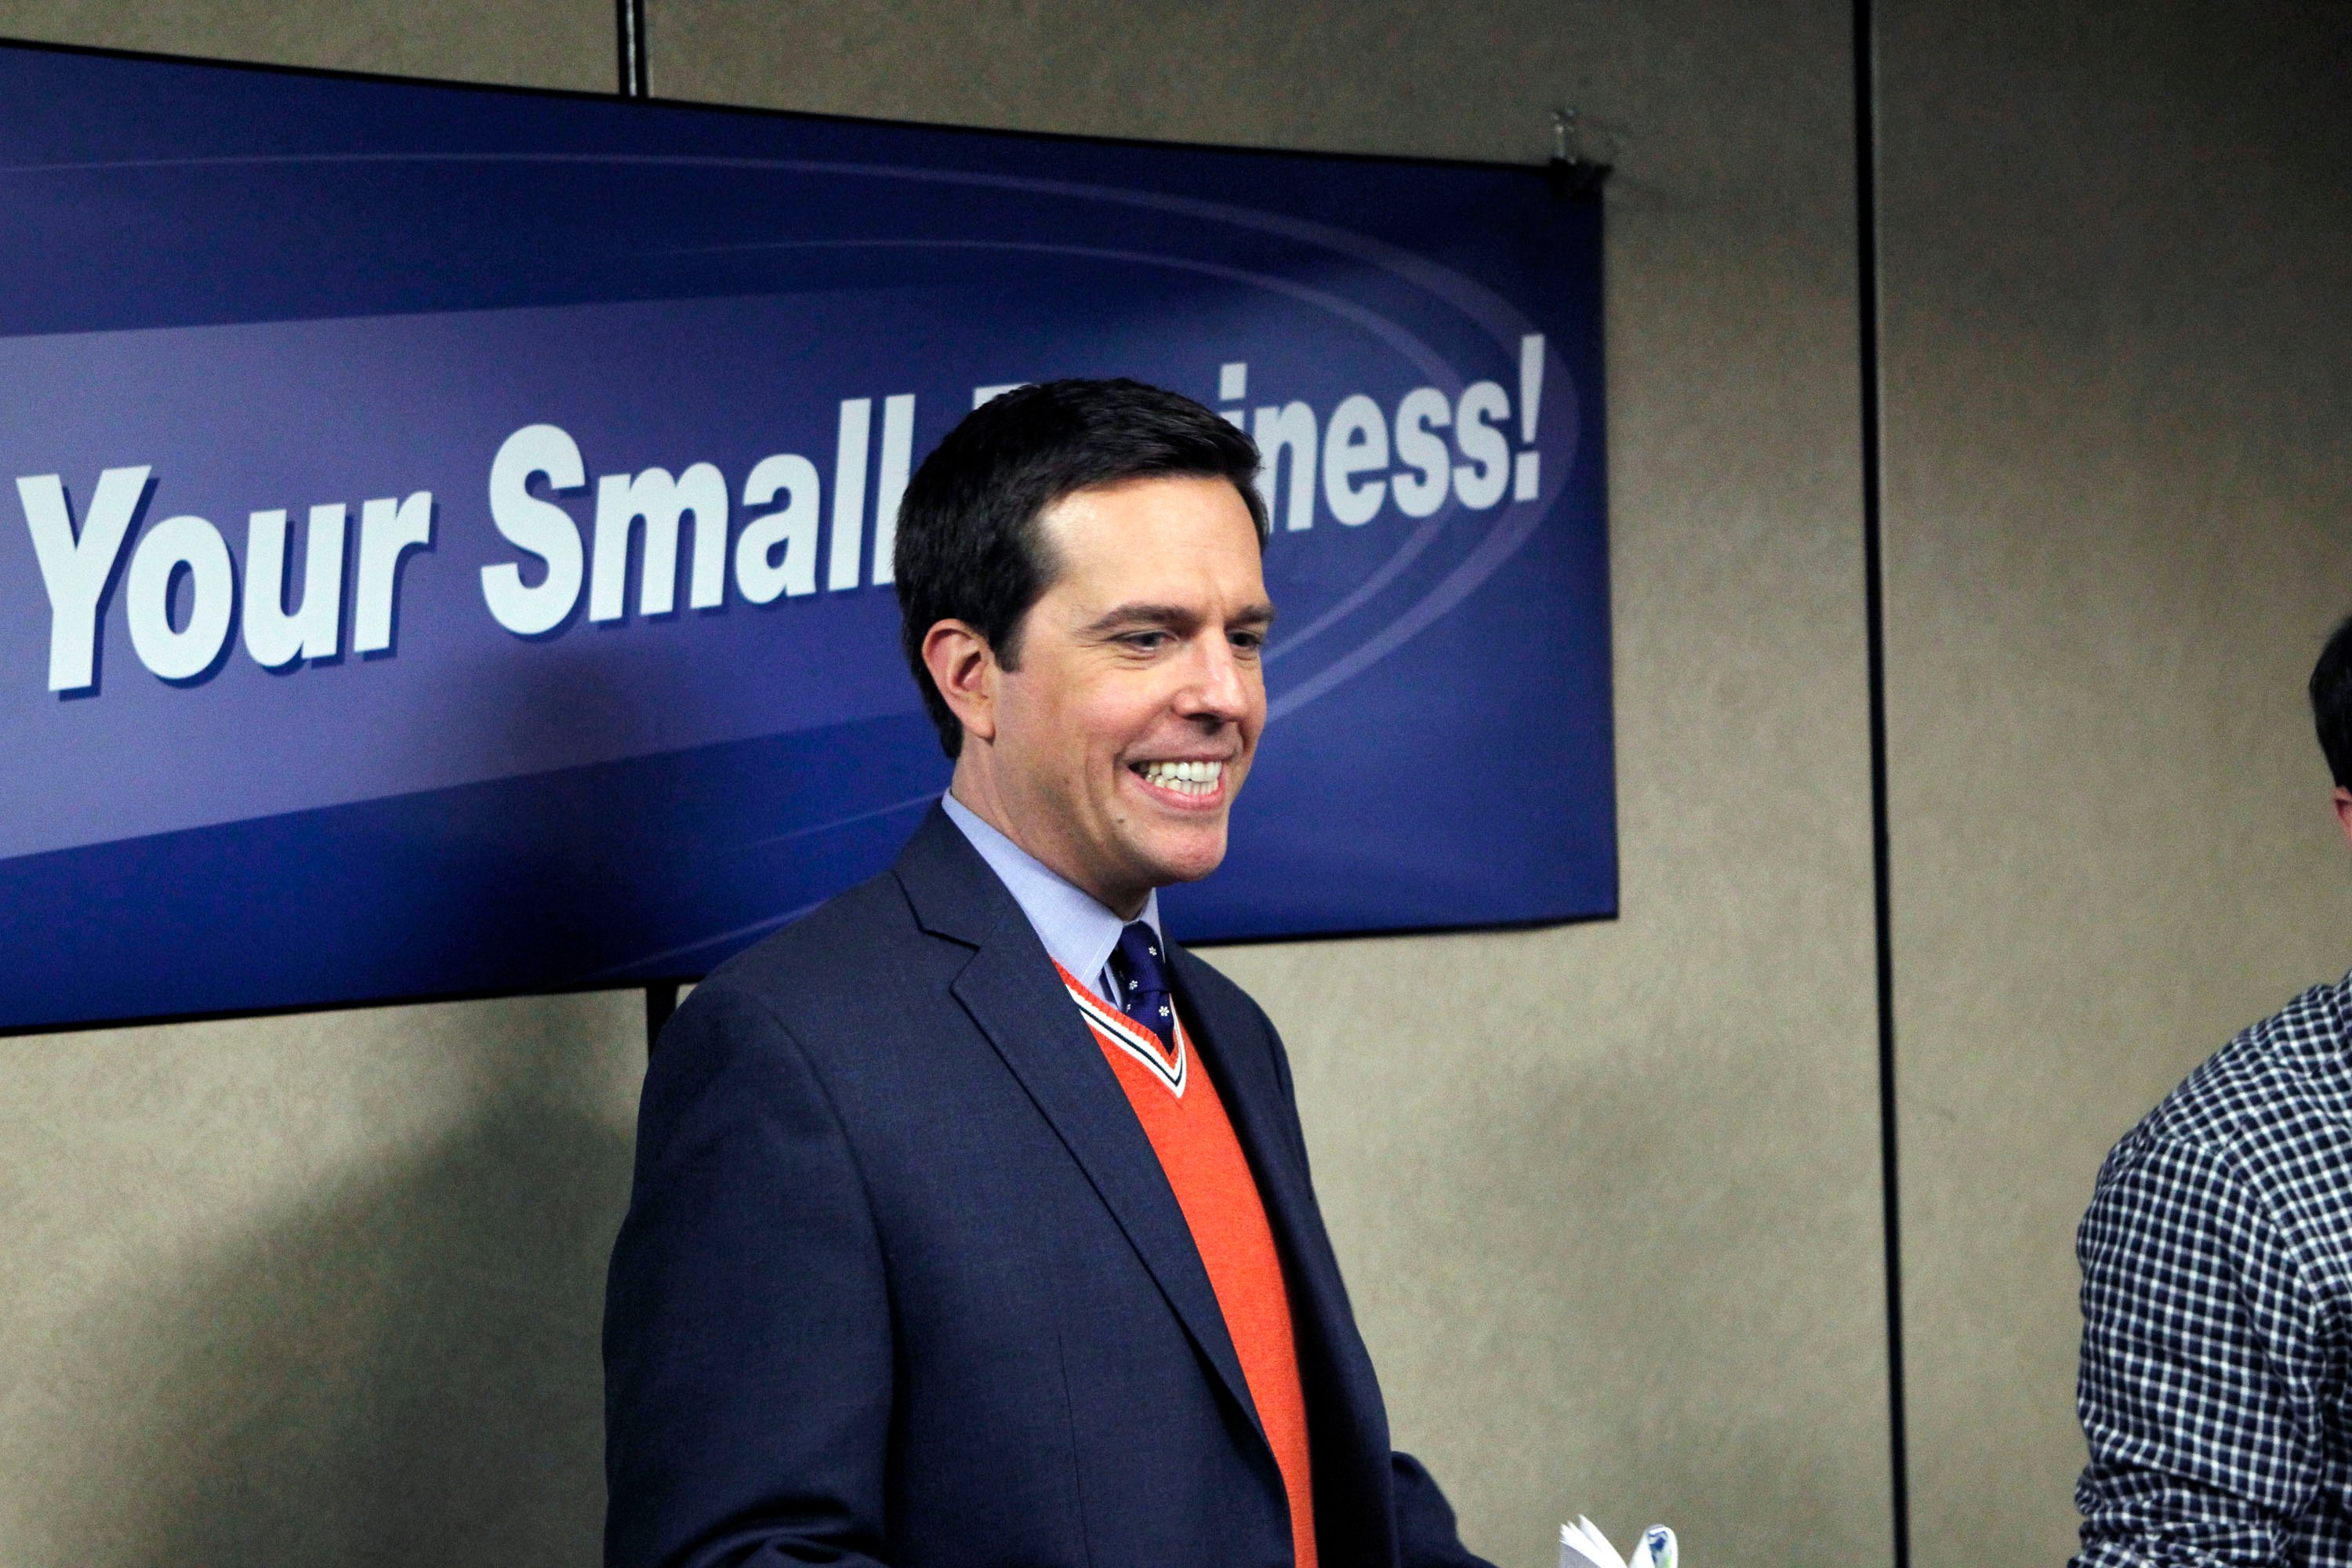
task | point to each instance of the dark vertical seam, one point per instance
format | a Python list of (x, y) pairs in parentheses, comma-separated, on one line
[(1070, 1430), (661, 1001), (629, 22), (1865, 127)]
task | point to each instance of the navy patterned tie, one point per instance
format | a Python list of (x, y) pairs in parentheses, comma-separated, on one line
[(1141, 973)]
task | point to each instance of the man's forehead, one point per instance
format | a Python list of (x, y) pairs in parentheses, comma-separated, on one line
[(1175, 527)]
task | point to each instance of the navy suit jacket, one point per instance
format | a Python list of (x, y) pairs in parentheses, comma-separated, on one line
[(902, 1281)]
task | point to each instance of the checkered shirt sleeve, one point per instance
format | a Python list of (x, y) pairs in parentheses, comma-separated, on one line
[(2211, 1390), (2202, 1356)]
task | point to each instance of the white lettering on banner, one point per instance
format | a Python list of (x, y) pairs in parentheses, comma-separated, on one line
[(175, 545), (388, 532), (1423, 451), (274, 637), (1357, 442), (890, 487), (1479, 483), (760, 577), (1287, 433), (1529, 469), (183, 583), (75, 571), (658, 500), (849, 491), (538, 527)]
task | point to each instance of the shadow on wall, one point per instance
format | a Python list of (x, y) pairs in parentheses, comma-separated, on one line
[(404, 1370)]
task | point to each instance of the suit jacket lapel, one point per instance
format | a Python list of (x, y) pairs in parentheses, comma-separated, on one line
[(1011, 991)]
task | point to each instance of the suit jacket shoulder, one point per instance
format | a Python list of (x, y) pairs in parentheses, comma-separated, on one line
[(877, 964), (856, 945)]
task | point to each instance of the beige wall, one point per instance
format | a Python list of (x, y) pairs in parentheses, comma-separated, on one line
[(326, 1288), (312, 1289), (530, 43), (2118, 287)]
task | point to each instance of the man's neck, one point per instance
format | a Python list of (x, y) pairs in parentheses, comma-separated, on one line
[(974, 790)]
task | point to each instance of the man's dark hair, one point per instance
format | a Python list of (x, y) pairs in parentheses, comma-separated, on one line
[(2331, 702), (969, 547)]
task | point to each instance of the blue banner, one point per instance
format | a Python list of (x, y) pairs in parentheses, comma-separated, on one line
[(451, 535)]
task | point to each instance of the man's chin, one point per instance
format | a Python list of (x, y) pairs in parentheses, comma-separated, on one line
[(1184, 862)]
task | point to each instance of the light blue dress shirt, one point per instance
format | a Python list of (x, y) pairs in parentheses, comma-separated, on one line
[(1075, 927)]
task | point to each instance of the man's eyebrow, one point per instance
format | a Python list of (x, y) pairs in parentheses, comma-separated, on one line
[(1142, 615), (1173, 616)]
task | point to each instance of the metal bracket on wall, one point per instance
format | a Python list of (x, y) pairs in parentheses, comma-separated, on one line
[(630, 18), (1573, 175)]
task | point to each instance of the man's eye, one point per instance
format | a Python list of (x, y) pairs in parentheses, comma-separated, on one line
[(1247, 642), (1146, 642)]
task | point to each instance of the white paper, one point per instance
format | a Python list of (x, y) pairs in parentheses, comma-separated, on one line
[(1581, 1545)]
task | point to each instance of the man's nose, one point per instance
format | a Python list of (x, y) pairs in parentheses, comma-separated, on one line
[(1220, 689)]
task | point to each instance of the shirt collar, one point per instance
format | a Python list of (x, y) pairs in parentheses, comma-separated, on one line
[(1076, 930)]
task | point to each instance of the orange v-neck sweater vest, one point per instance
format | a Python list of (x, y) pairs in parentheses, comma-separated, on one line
[(1189, 1130)]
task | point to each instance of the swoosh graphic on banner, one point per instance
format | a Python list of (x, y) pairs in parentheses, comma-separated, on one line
[(926, 799), (1424, 359), (741, 933), (1449, 593), (1476, 567), (738, 933), (1498, 316), (1500, 319)]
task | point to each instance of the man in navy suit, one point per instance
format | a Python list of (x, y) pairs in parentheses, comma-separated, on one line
[(973, 1222)]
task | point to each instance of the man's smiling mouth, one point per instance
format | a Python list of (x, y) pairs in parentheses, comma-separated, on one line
[(1184, 778)]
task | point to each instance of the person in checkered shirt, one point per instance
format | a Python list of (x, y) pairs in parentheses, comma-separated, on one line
[(2217, 1286)]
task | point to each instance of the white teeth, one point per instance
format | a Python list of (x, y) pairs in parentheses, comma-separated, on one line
[(1185, 778)]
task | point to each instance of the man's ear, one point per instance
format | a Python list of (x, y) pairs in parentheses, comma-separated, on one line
[(2344, 811), (963, 666)]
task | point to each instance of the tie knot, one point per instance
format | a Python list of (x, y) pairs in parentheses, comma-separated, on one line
[(1143, 967), (1139, 966)]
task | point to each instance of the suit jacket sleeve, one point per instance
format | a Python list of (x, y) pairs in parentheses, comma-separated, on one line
[(1426, 1536), (747, 1321), (1424, 1519)]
